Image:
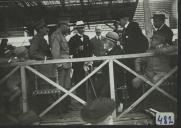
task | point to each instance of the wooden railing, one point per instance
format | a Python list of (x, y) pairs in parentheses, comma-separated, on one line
[(106, 59)]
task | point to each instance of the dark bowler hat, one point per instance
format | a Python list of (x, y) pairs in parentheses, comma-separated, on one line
[(39, 24), (159, 16), (123, 15), (97, 110)]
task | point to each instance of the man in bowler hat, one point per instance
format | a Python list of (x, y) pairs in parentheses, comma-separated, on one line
[(160, 26)]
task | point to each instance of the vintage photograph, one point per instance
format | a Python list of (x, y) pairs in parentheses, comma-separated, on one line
[(88, 62)]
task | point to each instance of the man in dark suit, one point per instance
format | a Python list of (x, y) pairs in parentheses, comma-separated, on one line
[(133, 41), (160, 26), (80, 46)]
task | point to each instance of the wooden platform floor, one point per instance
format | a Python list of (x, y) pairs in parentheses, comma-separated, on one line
[(73, 118)]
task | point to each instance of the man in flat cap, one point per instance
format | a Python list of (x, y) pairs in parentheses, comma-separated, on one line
[(134, 41), (60, 50), (112, 47), (98, 112), (160, 26), (80, 47)]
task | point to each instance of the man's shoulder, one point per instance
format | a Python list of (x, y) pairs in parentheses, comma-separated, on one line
[(166, 28), (85, 36), (93, 38), (74, 37), (36, 39), (55, 34), (133, 23)]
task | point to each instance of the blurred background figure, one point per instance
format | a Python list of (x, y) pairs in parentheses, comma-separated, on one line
[(160, 26)]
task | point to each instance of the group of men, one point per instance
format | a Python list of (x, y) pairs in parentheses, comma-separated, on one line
[(130, 41)]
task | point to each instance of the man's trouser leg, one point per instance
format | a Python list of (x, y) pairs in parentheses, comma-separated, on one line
[(64, 81)]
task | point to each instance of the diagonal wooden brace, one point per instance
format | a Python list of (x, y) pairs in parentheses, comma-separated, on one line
[(145, 80), (73, 88), (54, 84), (9, 74), (147, 93)]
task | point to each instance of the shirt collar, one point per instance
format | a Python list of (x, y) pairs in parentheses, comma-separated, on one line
[(98, 36), (126, 25)]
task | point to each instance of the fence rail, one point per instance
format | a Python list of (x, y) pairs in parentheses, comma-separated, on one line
[(23, 66)]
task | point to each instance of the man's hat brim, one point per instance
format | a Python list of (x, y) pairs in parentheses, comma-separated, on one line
[(159, 16)]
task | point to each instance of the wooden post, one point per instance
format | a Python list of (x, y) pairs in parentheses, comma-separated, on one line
[(145, 80), (147, 19), (112, 87), (23, 88), (147, 93)]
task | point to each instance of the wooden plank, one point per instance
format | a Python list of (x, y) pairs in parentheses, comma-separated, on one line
[(24, 91), (112, 85), (146, 81), (54, 61), (8, 75), (147, 93), (147, 19), (72, 89)]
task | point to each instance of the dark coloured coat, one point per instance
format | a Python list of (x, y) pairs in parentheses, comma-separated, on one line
[(167, 32), (98, 46), (74, 43), (133, 39), (118, 73), (39, 48)]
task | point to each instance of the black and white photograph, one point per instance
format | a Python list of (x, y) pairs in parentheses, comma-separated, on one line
[(89, 62)]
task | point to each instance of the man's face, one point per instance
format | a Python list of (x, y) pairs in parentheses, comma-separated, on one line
[(108, 44), (123, 21), (80, 30), (157, 22), (44, 30), (65, 29), (98, 32)]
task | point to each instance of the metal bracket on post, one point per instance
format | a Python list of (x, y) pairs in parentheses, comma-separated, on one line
[(112, 87), (23, 88)]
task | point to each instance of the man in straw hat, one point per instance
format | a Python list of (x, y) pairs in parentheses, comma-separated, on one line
[(98, 112), (80, 47), (60, 50), (160, 26)]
